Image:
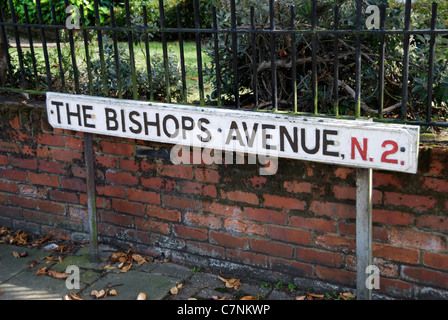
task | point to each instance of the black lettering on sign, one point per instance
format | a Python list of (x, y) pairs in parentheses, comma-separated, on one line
[(186, 127), (111, 116), (250, 138), (58, 112), (236, 136), (86, 116), (326, 142), (265, 136), (76, 114), (316, 144), (176, 125), (133, 114), (293, 141), (149, 123), (203, 129)]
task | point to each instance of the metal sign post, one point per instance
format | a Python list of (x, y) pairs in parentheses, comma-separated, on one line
[(363, 231)]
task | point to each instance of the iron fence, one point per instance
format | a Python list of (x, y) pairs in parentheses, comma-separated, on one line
[(302, 79)]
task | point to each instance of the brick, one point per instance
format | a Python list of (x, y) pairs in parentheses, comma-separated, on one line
[(433, 223), (53, 167), (117, 219), (202, 220), (256, 182), (77, 213), (190, 187), (272, 248), (8, 186), (162, 213), (299, 269), (38, 152), (11, 212), (378, 233), (181, 203), (73, 184), (37, 216), (63, 196), (207, 175), (392, 252), (21, 201), (4, 160), (283, 203), (381, 179), (332, 209), (335, 243), (266, 215), (50, 140), (217, 208), (343, 173), (23, 163), (3, 199), (248, 258), (190, 233), (106, 161), (411, 201), (317, 224), (134, 208), (205, 249), (111, 191), (175, 171), (435, 260), (120, 149), (121, 178), (289, 235), (297, 187), (10, 147), (152, 226), (423, 276), (44, 179), (239, 196), (159, 183), (228, 240), (438, 185), (320, 257), (129, 165), (74, 143), (336, 275), (50, 206), (12, 174), (393, 218), (143, 196), (67, 155), (416, 239), (246, 227)]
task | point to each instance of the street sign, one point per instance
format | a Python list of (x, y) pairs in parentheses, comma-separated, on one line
[(360, 143)]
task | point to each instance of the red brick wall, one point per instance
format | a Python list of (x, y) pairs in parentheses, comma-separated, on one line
[(298, 223)]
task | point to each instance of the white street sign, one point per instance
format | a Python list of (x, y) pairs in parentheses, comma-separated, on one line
[(355, 143)]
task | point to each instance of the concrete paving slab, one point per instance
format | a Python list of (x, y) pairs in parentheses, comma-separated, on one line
[(10, 266), (130, 284)]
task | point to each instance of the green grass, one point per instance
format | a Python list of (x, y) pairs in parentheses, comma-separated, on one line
[(190, 56)]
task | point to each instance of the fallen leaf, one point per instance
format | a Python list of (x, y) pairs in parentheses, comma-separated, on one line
[(231, 283), (346, 295), (320, 296), (108, 267), (192, 298), (74, 296), (300, 298), (16, 254), (98, 294), (140, 260), (24, 254), (113, 292), (60, 259), (42, 271), (141, 296), (66, 297), (248, 298), (174, 290), (126, 268), (39, 242), (58, 275)]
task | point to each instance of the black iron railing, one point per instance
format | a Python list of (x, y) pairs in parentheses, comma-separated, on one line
[(294, 79)]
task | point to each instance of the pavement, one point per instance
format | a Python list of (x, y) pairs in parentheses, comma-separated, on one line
[(156, 279)]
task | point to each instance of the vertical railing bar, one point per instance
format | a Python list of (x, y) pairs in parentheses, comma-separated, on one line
[(6, 43), (101, 49), (18, 45), (273, 55), (336, 62), (406, 43), (293, 60), (86, 47), (165, 51), (148, 54), (182, 55), (30, 40), (314, 57), (44, 45), (199, 52), (358, 67), (116, 53), (431, 62), (131, 50), (73, 56), (254, 57), (58, 47), (382, 59), (236, 85), (216, 54)]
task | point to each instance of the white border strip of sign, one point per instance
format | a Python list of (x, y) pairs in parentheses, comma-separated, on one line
[(352, 143)]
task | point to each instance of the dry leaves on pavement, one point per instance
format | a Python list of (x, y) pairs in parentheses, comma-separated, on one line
[(231, 283)]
